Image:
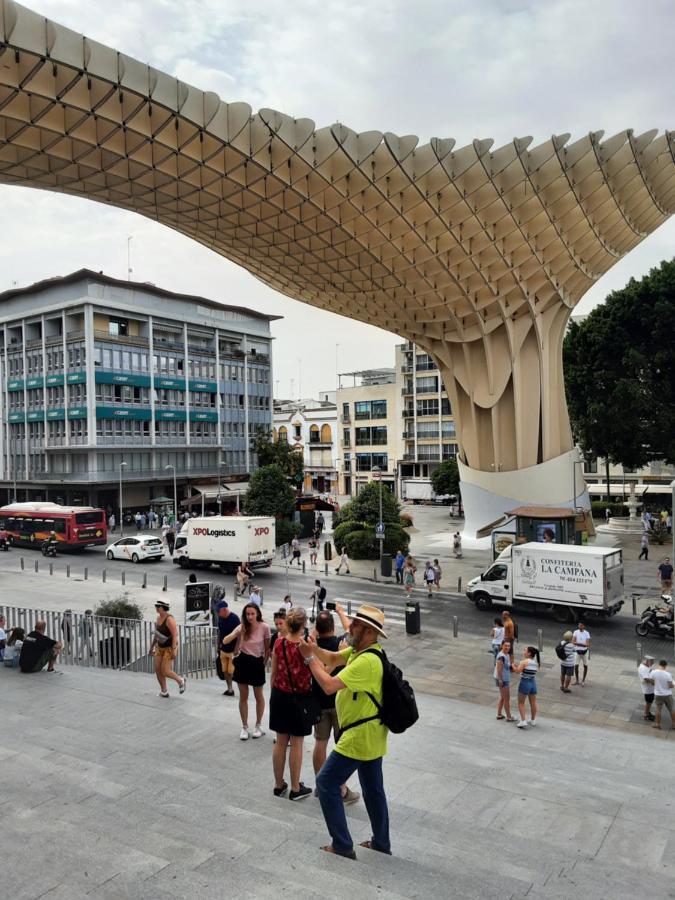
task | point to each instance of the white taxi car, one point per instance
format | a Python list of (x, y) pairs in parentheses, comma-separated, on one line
[(136, 548)]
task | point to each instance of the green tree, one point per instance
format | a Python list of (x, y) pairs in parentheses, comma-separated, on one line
[(445, 479), (279, 453), (269, 494), (365, 507), (620, 374)]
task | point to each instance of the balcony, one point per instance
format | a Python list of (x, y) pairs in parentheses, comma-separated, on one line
[(345, 419), (405, 391), (407, 369), (426, 389), (428, 435), (408, 413)]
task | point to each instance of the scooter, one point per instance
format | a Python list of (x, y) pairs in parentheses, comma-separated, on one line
[(48, 548), (654, 620)]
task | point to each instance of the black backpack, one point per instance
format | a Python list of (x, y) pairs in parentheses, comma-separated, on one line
[(398, 710), (322, 593), (560, 650)]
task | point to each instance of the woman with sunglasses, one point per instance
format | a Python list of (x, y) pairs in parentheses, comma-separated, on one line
[(164, 648)]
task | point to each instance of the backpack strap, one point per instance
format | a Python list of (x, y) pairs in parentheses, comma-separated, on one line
[(378, 706)]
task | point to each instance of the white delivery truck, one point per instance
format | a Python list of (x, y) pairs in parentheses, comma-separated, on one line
[(570, 582), (225, 541)]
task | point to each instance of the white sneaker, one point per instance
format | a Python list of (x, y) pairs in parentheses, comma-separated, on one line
[(531, 722), (522, 724), (257, 732), (244, 735)]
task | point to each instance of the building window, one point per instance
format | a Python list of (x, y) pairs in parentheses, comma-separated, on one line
[(346, 437), (446, 409), (378, 409), (427, 407), (362, 436), (378, 435), (118, 327), (283, 435), (427, 385), (326, 434), (314, 435)]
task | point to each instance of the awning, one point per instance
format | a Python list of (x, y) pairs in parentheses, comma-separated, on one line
[(211, 492)]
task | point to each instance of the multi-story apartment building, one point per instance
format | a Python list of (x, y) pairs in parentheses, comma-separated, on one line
[(428, 425), (310, 427), (98, 372), (370, 416)]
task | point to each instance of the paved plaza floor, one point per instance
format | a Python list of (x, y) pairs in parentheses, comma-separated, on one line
[(111, 792)]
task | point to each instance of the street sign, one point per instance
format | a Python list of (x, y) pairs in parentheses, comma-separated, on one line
[(298, 477), (379, 531)]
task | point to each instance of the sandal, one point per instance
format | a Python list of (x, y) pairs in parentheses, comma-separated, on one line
[(368, 845), (511, 719), (330, 849), (501, 717)]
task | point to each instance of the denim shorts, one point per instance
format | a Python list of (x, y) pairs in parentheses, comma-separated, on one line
[(529, 686), (506, 683)]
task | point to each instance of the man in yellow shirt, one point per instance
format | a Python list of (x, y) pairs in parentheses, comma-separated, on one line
[(359, 748)]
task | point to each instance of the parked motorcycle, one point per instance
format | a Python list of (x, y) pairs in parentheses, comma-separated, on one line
[(657, 620)]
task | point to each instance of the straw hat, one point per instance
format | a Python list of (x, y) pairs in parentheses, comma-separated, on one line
[(372, 616)]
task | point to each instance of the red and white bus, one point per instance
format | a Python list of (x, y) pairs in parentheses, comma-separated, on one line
[(75, 527)]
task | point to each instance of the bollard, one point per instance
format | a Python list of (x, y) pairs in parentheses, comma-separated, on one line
[(455, 626), (374, 574), (166, 583), (145, 580), (37, 565), (303, 567), (326, 569), (459, 585), (104, 575), (68, 570), (51, 568), (638, 647), (21, 561), (634, 599), (86, 573), (349, 607), (540, 640), (124, 577)]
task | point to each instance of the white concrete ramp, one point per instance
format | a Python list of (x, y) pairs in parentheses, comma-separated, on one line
[(110, 792)]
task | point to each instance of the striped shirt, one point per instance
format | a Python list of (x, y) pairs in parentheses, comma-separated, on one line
[(530, 670)]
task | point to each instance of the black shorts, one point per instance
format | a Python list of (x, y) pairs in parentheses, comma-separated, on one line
[(649, 698), (285, 717), (249, 670)]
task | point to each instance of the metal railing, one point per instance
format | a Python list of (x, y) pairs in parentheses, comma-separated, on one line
[(99, 642)]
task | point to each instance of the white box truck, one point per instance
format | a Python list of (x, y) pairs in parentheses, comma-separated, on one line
[(225, 541), (568, 581)]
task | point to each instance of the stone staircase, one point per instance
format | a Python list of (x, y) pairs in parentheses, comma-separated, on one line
[(111, 792)]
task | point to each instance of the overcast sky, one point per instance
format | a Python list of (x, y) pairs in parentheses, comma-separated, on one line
[(490, 68)]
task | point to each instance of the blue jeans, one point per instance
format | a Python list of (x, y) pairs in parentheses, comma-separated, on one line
[(335, 772)]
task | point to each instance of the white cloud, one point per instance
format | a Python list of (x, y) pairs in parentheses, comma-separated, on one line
[(495, 68)]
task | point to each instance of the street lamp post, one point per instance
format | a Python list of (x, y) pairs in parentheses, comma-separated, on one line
[(378, 470), (672, 511), (175, 493), (122, 465)]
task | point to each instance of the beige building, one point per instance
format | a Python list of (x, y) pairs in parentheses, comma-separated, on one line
[(370, 427)]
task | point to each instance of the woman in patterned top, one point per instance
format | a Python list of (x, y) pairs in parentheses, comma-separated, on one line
[(290, 676)]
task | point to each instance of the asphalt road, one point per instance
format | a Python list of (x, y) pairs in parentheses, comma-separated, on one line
[(616, 636)]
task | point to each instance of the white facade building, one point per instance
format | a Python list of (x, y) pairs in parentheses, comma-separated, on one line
[(310, 427)]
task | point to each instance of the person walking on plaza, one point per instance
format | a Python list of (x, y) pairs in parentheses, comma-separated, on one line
[(502, 676), (509, 630), (170, 540), (663, 691), (457, 545), (438, 572), (313, 550), (226, 621), (399, 562), (582, 647), (317, 596), (111, 522), (429, 577), (291, 680), (527, 686), (497, 636), (295, 547), (251, 654), (362, 748), (320, 523), (344, 561), (644, 546), (644, 673), (665, 575), (567, 664), (164, 648), (409, 575)]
